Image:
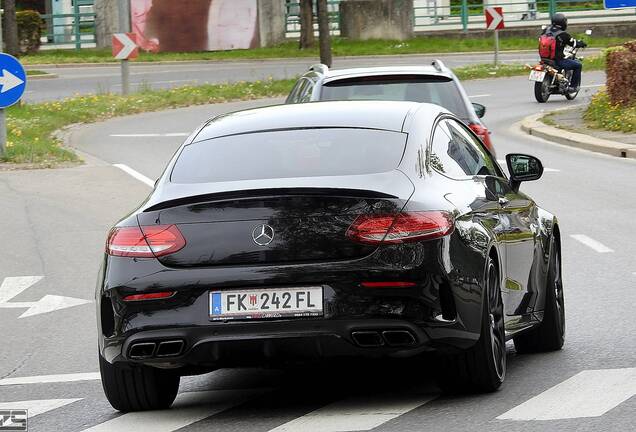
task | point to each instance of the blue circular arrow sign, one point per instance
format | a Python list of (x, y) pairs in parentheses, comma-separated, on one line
[(12, 80)]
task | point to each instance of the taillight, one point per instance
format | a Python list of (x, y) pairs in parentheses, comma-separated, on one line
[(144, 242), (400, 228), (481, 131), (149, 296)]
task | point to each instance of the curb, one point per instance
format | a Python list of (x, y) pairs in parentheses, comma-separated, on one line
[(533, 126), (307, 59), (41, 77)]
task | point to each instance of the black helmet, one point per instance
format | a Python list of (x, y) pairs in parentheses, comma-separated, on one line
[(559, 20)]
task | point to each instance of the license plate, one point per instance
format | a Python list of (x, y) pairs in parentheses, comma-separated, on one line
[(536, 75), (262, 304)]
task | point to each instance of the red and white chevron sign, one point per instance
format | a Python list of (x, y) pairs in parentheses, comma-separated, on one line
[(125, 46), (494, 18)]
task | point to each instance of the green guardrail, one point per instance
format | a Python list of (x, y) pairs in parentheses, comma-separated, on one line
[(74, 28), (461, 13)]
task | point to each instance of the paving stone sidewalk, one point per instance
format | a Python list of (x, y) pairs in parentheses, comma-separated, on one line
[(572, 120)]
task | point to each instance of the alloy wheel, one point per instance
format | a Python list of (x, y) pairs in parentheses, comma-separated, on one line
[(496, 322)]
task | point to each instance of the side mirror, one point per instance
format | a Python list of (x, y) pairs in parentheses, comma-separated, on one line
[(480, 110), (588, 32), (523, 168), (543, 27)]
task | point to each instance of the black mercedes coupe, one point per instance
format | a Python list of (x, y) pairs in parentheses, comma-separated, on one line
[(327, 230)]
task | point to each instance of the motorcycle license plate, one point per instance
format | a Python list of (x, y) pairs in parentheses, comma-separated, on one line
[(536, 75)]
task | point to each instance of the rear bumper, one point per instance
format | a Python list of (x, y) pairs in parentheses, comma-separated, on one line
[(419, 314)]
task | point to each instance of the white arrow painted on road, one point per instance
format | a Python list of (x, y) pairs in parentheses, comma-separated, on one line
[(37, 407), (9, 81), (12, 286)]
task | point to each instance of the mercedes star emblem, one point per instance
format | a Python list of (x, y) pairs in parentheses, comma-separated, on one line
[(263, 235)]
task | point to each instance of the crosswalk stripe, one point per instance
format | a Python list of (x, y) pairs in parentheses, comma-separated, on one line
[(47, 379), (355, 414), (37, 407), (189, 408), (590, 393)]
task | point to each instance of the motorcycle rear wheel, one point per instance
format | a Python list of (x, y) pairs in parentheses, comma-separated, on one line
[(542, 89)]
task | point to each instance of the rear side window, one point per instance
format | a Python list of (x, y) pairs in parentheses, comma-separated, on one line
[(457, 154), (290, 153), (437, 90)]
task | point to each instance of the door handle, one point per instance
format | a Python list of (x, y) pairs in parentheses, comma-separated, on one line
[(503, 201)]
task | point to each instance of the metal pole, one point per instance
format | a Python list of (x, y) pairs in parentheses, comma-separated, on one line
[(496, 47), (464, 14), (76, 25), (3, 119), (124, 27)]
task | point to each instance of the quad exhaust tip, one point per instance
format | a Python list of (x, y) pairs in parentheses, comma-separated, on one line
[(392, 338), (147, 350)]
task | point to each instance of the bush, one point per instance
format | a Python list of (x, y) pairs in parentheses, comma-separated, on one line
[(29, 31), (603, 114), (621, 80)]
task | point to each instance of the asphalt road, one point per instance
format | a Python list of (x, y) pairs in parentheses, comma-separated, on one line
[(103, 79), (54, 224)]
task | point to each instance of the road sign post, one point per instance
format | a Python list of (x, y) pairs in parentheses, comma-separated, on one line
[(495, 21), (124, 27), (12, 86)]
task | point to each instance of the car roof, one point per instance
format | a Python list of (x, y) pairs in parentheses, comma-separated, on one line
[(337, 114), (336, 74)]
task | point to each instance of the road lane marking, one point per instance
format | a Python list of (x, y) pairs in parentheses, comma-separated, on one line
[(187, 409), (591, 243), (135, 174), (355, 414), (593, 85), (12, 286), (37, 407), (590, 393), (504, 163), (49, 379), (479, 96), (151, 135)]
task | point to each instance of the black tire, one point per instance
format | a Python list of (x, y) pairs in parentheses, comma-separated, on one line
[(570, 96), (137, 387), (550, 334), (481, 368), (542, 89)]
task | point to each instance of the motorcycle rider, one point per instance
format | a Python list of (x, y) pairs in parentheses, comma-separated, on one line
[(558, 31)]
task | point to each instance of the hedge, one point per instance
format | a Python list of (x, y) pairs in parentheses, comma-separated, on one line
[(29, 31), (621, 79)]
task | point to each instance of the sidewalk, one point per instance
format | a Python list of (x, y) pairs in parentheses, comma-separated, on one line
[(567, 127)]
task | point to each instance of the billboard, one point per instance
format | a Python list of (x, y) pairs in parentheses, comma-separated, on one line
[(195, 25)]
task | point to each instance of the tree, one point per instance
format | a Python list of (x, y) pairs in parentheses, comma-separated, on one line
[(323, 32), (10, 28), (307, 39)]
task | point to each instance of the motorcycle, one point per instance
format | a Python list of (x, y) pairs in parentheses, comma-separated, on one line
[(549, 80)]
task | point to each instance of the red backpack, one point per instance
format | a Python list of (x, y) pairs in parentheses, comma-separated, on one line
[(547, 46)]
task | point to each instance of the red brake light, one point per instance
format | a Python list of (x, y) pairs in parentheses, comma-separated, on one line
[(401, 228), (149, 296), (144, 242)]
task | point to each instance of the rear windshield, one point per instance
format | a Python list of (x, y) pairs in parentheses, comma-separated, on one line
[(440, 91), (290, 153)]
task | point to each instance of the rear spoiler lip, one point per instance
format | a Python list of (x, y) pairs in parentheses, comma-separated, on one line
[(393, 184), (266, 193)]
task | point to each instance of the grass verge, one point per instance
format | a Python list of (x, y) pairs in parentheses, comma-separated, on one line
[(341, 47), (32, 72), (603, 114), (30, 126)]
